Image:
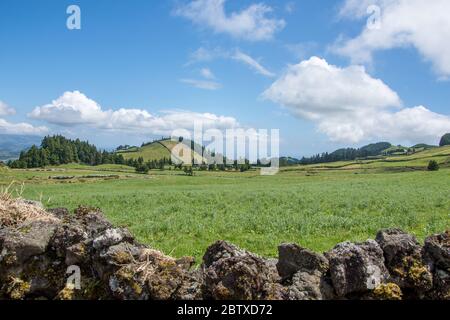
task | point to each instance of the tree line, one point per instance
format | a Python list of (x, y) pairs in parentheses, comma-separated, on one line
[(58, 150)]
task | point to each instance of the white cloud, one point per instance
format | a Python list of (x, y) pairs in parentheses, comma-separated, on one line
[(74, 108), (6, 110), (252, 63), (412, 125), (71, 108), (357, 9), (350, 106), (251, 23), (7, 127), (207, 55), (208, 83), (202, 84), (290, 7), (314, 89), (207, 74), (403, 24)]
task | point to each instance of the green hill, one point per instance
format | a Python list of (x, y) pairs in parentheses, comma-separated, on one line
[(395, 150), (153, 151), (348, 154), (423, 146), (156, 150), (374, 151)]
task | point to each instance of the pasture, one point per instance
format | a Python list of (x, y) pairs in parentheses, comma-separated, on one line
[(315, 206)]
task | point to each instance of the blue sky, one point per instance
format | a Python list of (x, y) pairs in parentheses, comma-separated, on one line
[(289, 65)]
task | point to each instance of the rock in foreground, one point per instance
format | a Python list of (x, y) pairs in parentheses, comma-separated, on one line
[(60, 255)]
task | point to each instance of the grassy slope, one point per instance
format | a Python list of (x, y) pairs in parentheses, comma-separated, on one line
[(155, 151)]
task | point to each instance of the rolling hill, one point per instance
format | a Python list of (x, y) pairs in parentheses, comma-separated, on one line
[(372, 151), (395, 162), (156, 150)]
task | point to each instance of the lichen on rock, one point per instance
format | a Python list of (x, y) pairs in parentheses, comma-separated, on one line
[(388, 291)]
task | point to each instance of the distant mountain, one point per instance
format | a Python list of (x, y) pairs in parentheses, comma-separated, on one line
[(12, 145)]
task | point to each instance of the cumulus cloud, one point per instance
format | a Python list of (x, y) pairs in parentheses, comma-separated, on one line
[(6, 110), (75, 108), (403, 24), (413, 125), (7, 127), (251, 23), (71, 108), (357, 9), (314, 89), (351, 106), (252, 63)]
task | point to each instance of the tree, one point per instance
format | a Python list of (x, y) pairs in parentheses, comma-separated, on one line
[(433, 166), (142, 168), (445, 140)]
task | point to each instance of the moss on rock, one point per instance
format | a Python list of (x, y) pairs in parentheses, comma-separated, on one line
[(388, 291)]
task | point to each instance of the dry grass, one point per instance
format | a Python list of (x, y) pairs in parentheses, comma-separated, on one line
[(14, 210)]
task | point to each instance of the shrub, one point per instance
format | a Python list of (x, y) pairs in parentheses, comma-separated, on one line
[(433, 166), (142, 168)]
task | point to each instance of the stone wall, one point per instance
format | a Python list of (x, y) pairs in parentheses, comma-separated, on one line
[(83, 256)]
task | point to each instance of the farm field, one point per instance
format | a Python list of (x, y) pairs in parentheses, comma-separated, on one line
[(313, 206), (413, 161)]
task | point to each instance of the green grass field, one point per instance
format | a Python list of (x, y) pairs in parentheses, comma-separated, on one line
[(311, 205)]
